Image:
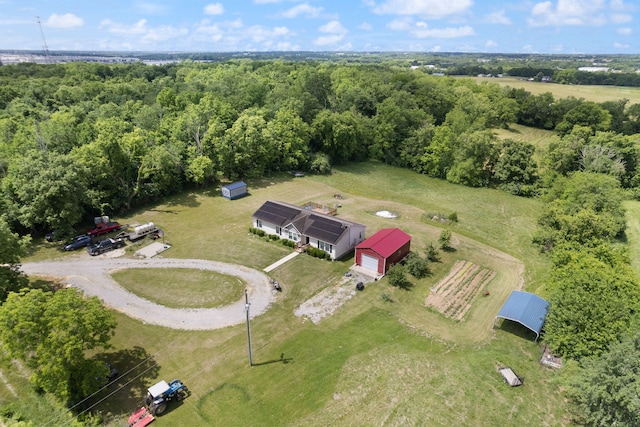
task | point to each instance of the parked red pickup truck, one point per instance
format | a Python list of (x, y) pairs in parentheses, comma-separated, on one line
[(103, 228)]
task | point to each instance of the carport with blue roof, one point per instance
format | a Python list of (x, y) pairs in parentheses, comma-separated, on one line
[(526, 308)]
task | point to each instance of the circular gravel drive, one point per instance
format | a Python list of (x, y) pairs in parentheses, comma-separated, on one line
[(93, 276)]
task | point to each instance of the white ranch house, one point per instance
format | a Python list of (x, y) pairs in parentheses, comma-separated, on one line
[(307, 227)]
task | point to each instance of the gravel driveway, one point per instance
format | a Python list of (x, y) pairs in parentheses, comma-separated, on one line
[(93, 276)]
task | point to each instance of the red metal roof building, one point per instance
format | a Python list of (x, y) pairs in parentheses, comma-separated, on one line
[(382, 250)]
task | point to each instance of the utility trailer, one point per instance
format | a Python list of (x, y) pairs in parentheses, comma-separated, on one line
[(143, 230), (148, 229)]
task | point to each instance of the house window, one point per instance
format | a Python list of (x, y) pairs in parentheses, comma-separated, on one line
[(258, 223), (325, 246), (293, 236), (278, 230)]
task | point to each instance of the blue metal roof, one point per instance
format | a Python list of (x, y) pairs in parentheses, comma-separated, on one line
[(527, 309)]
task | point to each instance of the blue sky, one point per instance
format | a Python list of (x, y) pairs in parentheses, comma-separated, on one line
[(501, 26)]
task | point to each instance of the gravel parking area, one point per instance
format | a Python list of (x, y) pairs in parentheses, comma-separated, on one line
[(93, 276)]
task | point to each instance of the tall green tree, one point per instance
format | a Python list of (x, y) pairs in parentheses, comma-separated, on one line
[(515, 163), (594, 298), (45, 189), (52, 332), (605, 390), (12, 248)]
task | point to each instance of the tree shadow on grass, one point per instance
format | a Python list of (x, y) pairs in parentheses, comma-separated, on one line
[(137, 371)]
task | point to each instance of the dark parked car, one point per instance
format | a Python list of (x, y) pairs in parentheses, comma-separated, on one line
[(105, 246), (78, 242), (60, 234)]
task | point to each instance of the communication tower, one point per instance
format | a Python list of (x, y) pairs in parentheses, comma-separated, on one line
[(45, 48)]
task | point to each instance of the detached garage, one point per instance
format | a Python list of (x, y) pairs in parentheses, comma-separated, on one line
[(382, 250), (234, 190)]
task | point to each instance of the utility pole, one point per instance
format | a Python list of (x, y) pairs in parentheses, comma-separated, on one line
[(45, 48), (246, 309)]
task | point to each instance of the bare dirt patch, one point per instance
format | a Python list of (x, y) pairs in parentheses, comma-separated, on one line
[(456, 292), (329, 300)]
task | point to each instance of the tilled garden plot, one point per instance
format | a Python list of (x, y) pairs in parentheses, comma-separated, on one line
[(454, 294)]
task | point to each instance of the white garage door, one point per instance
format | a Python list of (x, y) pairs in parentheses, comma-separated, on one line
[(369, 262)]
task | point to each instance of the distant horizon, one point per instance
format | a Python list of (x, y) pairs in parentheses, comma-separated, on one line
[(329, 52), (564, 27)]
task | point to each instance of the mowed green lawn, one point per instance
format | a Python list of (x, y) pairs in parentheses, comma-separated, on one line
[(372, 362)]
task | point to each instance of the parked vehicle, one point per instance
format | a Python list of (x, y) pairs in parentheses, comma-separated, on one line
[(105, 245), (60, 234), (158, 396), (78, 242), (103, 228)]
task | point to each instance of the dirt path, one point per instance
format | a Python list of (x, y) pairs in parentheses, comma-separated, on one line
[(93, 276)]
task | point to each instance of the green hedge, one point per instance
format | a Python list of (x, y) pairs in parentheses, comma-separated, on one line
[(257, 231), (287, 242), (318, 253)]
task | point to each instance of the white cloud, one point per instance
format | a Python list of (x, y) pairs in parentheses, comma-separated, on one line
[(491, 43), (423, 31), (151, 8), (625, 31), (333, 27), (285, 46), (568, 12), (328, 40), (162, 33), (68, 20), (423, 8), (214, 9), (219, 28), (258, 33), (365, 26), (234, 35), (302, 9), (497, 18), (401, 24), (621, 18), (143, 33), (117, 28), (621, 45)]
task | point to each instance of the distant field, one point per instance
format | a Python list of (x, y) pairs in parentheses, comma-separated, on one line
[(589, 93), (539, 138)]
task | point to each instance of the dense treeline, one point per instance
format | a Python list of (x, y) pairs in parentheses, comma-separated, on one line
[(571, 76), (82, 139)]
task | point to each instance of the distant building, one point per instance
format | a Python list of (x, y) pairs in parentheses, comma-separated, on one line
[(546, 79), (594, 69)]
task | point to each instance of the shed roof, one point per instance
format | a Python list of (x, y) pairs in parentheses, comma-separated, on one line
[(235, 185), (528, 309), (385, 242)]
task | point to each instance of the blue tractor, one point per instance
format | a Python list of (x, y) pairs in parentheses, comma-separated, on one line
[(162, 393)]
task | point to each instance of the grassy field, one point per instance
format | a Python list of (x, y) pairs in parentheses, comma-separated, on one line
[(589, 93), (375, 361), (197, 289)]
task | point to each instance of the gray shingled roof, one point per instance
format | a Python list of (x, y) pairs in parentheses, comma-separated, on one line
[(309, 223)]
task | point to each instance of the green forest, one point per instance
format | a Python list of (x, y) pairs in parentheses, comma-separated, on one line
[(79, 140)]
